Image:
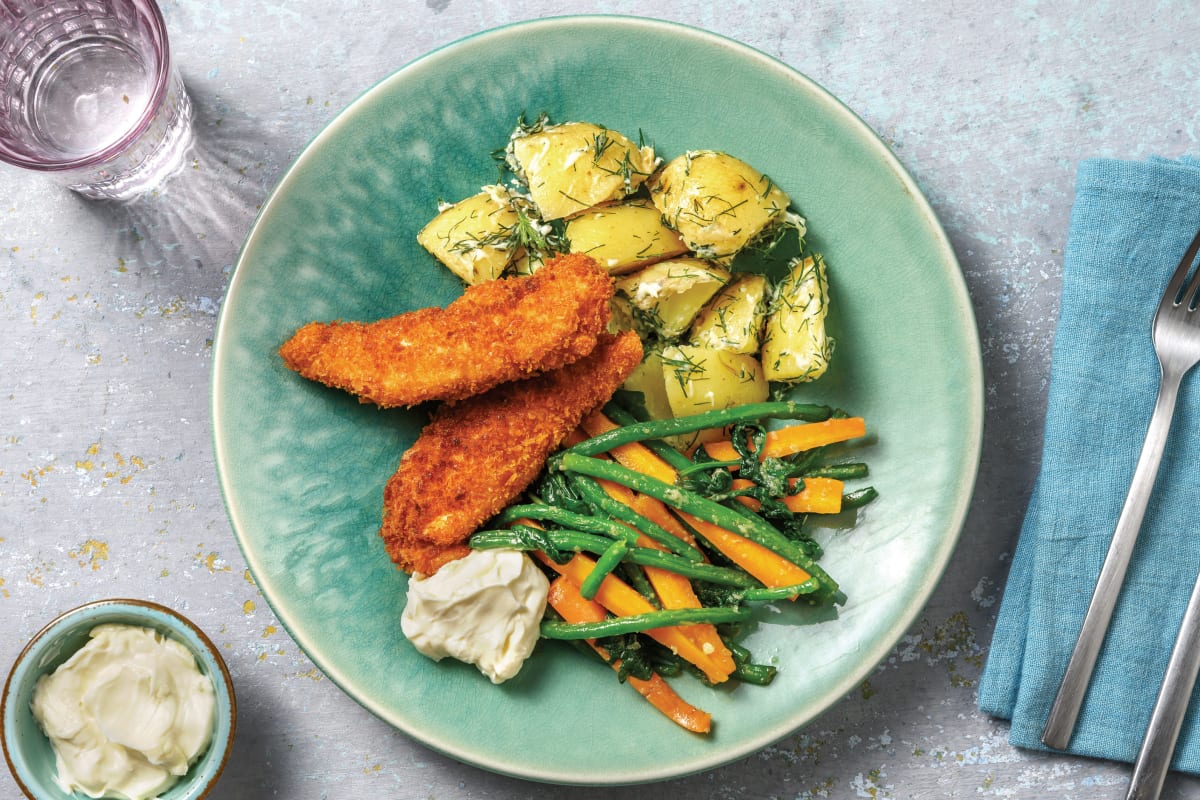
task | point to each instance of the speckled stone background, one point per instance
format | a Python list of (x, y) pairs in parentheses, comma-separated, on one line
[(107, 484)]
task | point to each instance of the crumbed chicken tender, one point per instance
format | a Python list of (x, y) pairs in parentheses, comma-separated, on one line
[(498, 331), (476, 456)]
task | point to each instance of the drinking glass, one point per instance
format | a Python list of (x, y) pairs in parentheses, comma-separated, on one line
[(89, 95)]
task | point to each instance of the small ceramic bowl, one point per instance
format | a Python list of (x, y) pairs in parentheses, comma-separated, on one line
[(29, 753)]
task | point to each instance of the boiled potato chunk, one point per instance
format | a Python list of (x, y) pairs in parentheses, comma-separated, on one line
[(575, 165), (701, 379), (733, 319), (527, 263), (623, 236), (648, 379), (718, 203), (665, 297), (796, 347), (473, 237)]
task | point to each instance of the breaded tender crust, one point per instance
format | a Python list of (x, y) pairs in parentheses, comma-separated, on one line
[(496, 332), (476, 457)]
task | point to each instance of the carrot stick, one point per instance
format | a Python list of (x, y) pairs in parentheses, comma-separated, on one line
[(634, 455), (673, 590), (772, 569), (655, 510), (622, 600), (796, 438), (819, 496), (564, 597), (663, 697), (616, 491)]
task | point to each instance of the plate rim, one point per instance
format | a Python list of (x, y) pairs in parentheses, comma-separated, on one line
[(972, 373)]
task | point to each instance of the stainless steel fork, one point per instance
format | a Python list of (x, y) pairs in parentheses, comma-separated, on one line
[(1176, 336)]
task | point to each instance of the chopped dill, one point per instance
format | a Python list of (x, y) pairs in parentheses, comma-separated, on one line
[(684, 367), (600, 144)]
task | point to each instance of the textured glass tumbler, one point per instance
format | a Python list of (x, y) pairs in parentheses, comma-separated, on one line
[(89, 96)]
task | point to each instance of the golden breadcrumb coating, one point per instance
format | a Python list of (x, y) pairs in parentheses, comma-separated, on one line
[(475, 457), (498, 331)]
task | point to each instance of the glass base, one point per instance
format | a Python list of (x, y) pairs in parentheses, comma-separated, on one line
[(159, 153)]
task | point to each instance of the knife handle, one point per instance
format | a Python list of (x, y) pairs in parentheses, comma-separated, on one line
[(1154, 758)]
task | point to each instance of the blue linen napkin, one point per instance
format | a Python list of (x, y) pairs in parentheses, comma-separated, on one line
[(1130, 225)]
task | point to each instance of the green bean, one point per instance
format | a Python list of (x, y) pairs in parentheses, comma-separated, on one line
[(718, 418), (635, 576), (781, 592), (619, 413), (751, 527), (666, 452), (745, 670), (561, 539), (604, 565), (859, 498), (595, 495), (580, 541), (635, 623), (842, 472), (755, 674), (528, 537), (699, 570), (569, 519), (740, 654)]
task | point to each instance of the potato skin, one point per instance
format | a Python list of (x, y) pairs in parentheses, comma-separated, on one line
[(733, 319), (647, 379), (472, 237), (623, 236), (573, 166), (666, 296), (718, 203), (702, 379), (796, 347)]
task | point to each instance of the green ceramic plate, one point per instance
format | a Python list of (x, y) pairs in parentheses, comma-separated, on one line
[(302, 467)]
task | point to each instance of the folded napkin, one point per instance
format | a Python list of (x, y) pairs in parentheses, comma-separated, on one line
[(1130, 225)]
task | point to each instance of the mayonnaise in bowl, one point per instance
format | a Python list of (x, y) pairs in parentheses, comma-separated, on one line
[(127, 714)]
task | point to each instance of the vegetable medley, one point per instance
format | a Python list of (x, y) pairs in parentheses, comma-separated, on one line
[(687, 499)]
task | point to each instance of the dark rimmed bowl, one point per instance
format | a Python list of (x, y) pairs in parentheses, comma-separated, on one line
[(29, 753)]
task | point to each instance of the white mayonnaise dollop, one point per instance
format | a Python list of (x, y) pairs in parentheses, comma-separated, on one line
[(127, 714), (485, 609)]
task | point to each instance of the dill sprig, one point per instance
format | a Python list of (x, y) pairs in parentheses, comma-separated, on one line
[(684, 366), (529, 233), (536, 236)]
